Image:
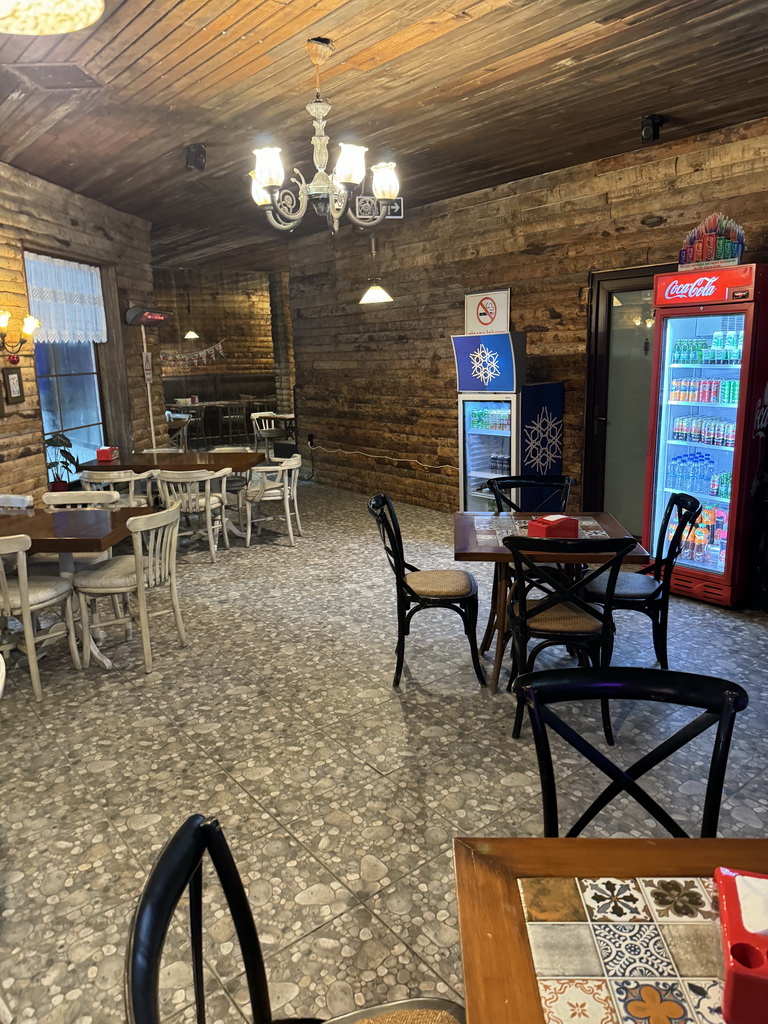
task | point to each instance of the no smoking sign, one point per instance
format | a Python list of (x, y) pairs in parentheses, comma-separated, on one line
[(486, 312)]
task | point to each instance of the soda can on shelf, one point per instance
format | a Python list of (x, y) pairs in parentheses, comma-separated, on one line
[(694, 432), (730, 435), (705, 390), (714, 390), (735, 392), (719, 437)]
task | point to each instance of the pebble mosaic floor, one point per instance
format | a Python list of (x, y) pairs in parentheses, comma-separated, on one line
[(339, 796)]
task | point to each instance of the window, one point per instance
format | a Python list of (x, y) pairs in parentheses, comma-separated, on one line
[(66, 298)]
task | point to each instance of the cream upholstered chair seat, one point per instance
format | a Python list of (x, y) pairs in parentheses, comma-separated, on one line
[(119, 573), (41, 591), (191, 490), (439, 582)]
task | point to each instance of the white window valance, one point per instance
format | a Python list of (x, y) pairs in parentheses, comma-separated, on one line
[(66, 298)]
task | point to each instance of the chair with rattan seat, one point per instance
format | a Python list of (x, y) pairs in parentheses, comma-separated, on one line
[(552, 610), (179, 869), (151, 566), (24, 598), (418, 589), (647, 590), (717, 700)]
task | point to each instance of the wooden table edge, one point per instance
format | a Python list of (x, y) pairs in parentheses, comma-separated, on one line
[(499, 979)]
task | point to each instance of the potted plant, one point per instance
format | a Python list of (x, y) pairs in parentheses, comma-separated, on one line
[(60, 462)]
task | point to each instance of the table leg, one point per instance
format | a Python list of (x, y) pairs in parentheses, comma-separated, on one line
[(67, 569), (500, 586)]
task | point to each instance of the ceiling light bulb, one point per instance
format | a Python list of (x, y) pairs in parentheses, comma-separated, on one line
[(5, 317), (259, 195), (649, 322), (30, 325), (385, 183), (269, 171), (637, 320), (48, 17), (191, 336), (375, 293), (350, 168)]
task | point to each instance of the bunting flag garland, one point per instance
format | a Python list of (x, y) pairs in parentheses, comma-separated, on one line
[(204, 355)]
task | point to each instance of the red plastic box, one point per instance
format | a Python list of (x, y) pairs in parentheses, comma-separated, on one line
[(745, 952), (107, 454), (564, 527)]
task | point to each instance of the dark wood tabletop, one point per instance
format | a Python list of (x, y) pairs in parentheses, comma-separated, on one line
[(467, 548), (499, 978), (71, 529), (239, 462)]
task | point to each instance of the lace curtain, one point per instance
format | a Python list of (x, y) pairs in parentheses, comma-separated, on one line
[(66, 299)]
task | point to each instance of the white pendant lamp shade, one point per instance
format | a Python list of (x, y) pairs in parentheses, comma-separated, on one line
[(375, 293), (385, 183), (269, 171), (350, 169), (48, 17), (191, 336), (259, 195)]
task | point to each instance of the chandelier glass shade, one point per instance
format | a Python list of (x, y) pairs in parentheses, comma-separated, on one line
[(332, 195), (48, 17)]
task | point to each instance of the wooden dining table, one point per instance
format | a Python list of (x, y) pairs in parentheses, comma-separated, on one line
[(549, 921), (141, 462), (477, 537), (67, 532)]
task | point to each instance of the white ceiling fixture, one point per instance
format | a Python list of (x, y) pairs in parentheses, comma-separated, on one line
[(332, 195), (48, 17)]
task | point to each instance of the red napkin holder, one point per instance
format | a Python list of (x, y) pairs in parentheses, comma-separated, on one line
[(554, 526), (107, 454), (746, 955)]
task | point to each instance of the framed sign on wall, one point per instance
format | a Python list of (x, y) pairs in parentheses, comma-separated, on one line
[(14, 386), (486, 312)]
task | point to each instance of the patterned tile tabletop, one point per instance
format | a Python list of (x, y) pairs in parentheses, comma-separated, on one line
[(492, 529), (625, 950)]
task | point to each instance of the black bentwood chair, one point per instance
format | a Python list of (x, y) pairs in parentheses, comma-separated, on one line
[(180, 867), (418, 589), (536, 494), (551, 609), (718, 700), (647, 590)]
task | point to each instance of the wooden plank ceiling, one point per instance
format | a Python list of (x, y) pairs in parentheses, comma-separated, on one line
[(461, 95)]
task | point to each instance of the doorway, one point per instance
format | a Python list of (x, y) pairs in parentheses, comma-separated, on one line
[(620, 361)]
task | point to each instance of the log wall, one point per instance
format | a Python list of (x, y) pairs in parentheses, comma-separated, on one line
[(42, 217), (381, 378)]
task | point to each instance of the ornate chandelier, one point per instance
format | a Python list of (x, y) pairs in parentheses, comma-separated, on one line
[(332, 196)]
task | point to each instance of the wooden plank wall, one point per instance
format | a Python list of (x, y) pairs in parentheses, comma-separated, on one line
[(39, 216), (228, 306), (381, 379), (282, 339)]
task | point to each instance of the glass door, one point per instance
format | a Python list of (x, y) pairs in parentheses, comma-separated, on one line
[(696, 437), (486, 428)]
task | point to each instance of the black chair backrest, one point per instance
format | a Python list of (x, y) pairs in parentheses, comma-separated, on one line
[(179, 867), (556, 587), (383, 511), (537, 493), (718, 700), (686, 509)]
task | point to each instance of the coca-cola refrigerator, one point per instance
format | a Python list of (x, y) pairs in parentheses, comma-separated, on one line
[(707, 422)]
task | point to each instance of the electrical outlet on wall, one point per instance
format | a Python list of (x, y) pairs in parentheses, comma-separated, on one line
[(310, 438)]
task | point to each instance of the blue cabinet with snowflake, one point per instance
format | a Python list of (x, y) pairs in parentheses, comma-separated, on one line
[(509, 434)]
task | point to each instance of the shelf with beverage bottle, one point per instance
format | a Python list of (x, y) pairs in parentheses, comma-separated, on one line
[(720, 405), (701, 495), (705, 366), (488, 430), (721, 348), (709, 445)]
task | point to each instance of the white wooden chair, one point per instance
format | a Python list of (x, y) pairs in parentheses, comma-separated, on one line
[(12, 502), (205, 505), (236, 483), (23, 598), (114, 479), (80, 499), (267, 428), (270, 483), (150, 566), (293, 486)]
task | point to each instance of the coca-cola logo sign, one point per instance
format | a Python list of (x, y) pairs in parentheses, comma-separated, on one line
[(701, 287)]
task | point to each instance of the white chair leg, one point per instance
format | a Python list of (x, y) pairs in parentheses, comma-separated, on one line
[(287, 510), (177, 613), (224, 530), (128, 628), (141, 597), (85, 626), (212, 540), (296, 509), (248, 515), (29, 644), (69, 618)]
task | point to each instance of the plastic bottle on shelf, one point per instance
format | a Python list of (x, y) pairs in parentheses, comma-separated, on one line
[(735, 392), (740, 346), (717, 347)]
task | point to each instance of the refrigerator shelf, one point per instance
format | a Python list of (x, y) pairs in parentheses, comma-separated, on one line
[(709, 405), (702, 444), (701, 495), (484, 430), (705, 366)]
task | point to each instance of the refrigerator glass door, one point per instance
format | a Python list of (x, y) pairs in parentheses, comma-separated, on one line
[(696, 429), (486, 431)]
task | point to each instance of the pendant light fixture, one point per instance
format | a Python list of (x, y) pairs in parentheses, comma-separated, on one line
[(335, 195), (48, 17), (374, 292)]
